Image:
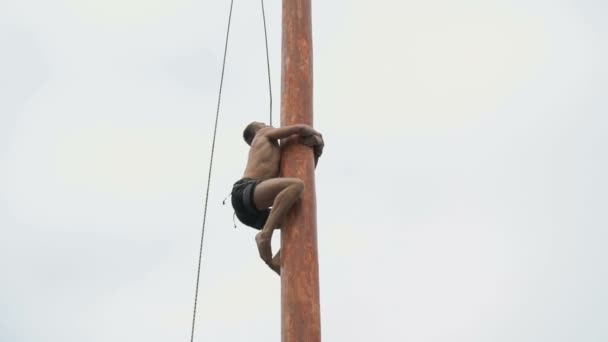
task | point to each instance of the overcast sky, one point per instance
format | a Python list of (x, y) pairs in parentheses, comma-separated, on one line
[(462, 194)]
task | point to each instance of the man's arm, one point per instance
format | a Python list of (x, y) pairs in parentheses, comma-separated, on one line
[(287, 131)]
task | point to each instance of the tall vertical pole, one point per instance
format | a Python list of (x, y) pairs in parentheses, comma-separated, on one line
[(301, 318)]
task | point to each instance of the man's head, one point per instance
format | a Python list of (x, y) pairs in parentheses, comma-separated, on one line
[(251, 130)]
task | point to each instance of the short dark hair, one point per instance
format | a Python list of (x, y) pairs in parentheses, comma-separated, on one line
[(250, 132)]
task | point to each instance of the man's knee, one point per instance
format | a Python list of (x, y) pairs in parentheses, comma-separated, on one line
[(297, 185)]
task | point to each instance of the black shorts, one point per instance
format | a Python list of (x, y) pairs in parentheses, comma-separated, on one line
[(242, 202)]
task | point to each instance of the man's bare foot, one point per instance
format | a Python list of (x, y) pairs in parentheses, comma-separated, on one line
[(277, 258), (275, 267), (262, 239), (276, 263)]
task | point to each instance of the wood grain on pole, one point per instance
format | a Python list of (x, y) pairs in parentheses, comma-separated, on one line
[(301, 321)]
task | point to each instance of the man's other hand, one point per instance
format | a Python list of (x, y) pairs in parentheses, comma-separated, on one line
[(316, 142), (312, 140)]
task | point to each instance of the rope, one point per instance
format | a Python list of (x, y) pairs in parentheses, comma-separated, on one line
[(217, 114), (267, 59), (200, 253)]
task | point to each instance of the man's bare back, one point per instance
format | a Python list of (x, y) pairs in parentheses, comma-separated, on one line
[(261, 187), (264, 157)]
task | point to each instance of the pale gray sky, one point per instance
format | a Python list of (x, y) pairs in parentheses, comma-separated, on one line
[(462, 194)]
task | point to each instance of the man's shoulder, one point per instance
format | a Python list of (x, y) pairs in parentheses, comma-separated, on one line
[(262, 138), (264, 132)]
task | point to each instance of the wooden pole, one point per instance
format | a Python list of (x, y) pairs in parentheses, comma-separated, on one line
[(301, 319)]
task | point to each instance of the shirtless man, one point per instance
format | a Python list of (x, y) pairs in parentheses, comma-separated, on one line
[(261, 187)]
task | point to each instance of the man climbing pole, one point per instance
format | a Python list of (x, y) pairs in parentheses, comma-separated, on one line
[(262, 199)]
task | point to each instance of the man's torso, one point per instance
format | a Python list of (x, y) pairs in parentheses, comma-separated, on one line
[(264, 158)]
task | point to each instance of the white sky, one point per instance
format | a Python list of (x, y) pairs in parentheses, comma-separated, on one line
[(462, 194)]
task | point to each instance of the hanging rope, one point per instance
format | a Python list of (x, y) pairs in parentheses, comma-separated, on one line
[(217, 114), (267, 59)]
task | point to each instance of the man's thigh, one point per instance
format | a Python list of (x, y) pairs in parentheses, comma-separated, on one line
[(266, 191)]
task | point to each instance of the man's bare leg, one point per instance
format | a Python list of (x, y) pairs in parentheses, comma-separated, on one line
[(281, 194)]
